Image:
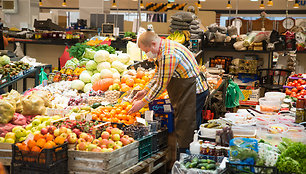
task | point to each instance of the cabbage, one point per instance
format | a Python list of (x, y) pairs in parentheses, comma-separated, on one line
[(4, 60), (113, 70), (106, 73), (77, 84), (83, 62), (87, 87), (116, 75), (101, 56), (112, 57), (89, 72), (118, 66), (124, 58), (91, 65), (95, 71), (85, 77), (103, 65), (95, 78), (71, 64), (89, 53)]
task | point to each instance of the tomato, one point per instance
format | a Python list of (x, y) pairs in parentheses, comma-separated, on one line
[(293, 94), (293, 84), (290, 84), (295, 81), (294, 90), (300, 88), (298, 84), (288, 92), (300, 74), (300, 80), (303, 82), (303, 92)]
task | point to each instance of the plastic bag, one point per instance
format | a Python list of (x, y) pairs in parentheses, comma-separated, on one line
[(33, 105), (7, 110), (42, 76), (18, 51), (233, 95), (16, 97)]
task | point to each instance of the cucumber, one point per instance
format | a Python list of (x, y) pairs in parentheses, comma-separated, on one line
[(196, 159), (200, 165), (193, 165), (211, 167), (211, 161), (187, 165), (95, 105), (203, 161)]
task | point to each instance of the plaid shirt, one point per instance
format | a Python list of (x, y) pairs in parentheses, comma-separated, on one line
[(174, 60)]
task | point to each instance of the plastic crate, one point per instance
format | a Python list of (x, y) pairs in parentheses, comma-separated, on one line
[(61, 167), (145, 147), (162, 139), (227, 60), (244, 168), (44, 159), (154, 142)]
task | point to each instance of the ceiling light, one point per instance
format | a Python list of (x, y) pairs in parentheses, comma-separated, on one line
[(229, 5), (141, 4), (40, 3), (262, 6), (199, 4), (114, 4), (296, 5), (270, 3), (290, 0), (254, 0), (64, 3)]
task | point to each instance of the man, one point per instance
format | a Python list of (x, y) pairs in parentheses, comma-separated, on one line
[(178, 73)]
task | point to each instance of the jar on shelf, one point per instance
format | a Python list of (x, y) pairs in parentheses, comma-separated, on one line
[(51, 77), (299, 114), (75, 77), (69, 78), (64, 77), (57, 76)]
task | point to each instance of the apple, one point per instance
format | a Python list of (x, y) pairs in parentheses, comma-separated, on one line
[(36, 122), (39, 127), (44, 131), (125, 136), (91, 147), (89, 138), (10, 135), (45, 118), (105, 135), (125, 141), (98, 149), (63, 130), (51, 129), (109, 129), (28, 127), (104, 142), (20, 133), (36, 132), (131, 139), (76, 109), (56, 117), (57, 132), (3, 139), (117, 147), (69, 131), (110, 144), (82, 146), (48, 122), (84, 135), (22, 138), (115, 137), (72, 138), (81, 140), (103, 146), (96, 142), (104, 150), (77, 132), (34, 129), (38, 118), (16, 128), (28, 132), (115, 131), (100, 139), (64, 135), (118, 143), (121, 133), (9, 140), (110, 149)]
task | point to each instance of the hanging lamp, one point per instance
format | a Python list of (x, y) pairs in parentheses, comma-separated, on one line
[(262, 6), (169, 5), (199, 4), (114, 4), (229, 5), (141, 4), (296, 5), (64, 3), (40, 3), (270, 3)]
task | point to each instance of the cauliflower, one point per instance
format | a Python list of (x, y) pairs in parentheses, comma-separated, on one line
[(118, 66), (101, 56), (103, 65), (124, 58)]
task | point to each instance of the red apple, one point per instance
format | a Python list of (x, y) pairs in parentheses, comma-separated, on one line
[(96, 142), (89, 138), (77, 132), (72, 138), (110, 144), (63, 130), (110, 149), (131, 139), (115, 137), (98, 149), (119, 143), (82, 146), (84, 135), (109, 129), (57, 132), (104, 142), (121, 133), (64, 135), (125, 136), (115, 131), (117, 147), (125, 141), (51, 129), (103, 146), (81, 140), (44, 131), (105, 135)]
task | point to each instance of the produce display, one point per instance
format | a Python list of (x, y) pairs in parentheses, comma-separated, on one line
[(204, 164), (296, 88), (12, 68), (179, 36)]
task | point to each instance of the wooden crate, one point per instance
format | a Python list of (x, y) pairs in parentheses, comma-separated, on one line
[(80, 162), (5, 154)]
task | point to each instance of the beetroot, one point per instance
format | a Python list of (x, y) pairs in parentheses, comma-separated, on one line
[(19, 119)]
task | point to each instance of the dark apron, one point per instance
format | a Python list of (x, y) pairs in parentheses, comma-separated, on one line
[(182, 94)]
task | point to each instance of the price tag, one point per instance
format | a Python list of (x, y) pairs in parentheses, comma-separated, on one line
[(141, 120), (219, 66), (30, 137), (72, 116), (167, 108), (167, 101), (88, 117), (1, 76), (149, 115)]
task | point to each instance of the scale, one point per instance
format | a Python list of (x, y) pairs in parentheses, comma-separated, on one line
[(195, 45)]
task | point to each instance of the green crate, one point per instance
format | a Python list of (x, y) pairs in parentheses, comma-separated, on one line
[(145, 147)]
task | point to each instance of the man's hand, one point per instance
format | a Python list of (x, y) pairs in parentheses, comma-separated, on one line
[(140, 95), (137, 105)]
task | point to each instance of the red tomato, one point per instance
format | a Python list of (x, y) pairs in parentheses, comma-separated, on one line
[(300, 88), (288, 92), (297, 84), (300, 80), (293, 94), (295, 81), (294, 90), (303, 92), (293, 84), (290, 84), (303, 82)]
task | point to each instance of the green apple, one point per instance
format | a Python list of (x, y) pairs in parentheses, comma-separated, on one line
[(75, 109), (91, 147), (29, 127), (20, 133), (16, 128), (39, 118), (36, 122), (22, 139), (115, 86), (34, 129), (2, 140), (48, 122), (86, 108), (9, 140), (28, 132), (45, 118), (39, 127), (10, 135), (36, 132)]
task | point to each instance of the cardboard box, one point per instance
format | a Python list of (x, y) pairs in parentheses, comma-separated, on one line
[(251, 96)]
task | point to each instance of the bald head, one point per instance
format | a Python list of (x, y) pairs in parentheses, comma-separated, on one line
[(146, 38)]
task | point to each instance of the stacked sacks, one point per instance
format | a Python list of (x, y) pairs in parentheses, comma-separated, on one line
[(186, 21), (217, 33)]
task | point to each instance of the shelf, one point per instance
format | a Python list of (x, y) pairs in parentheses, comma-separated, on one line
[(233, 50), (290, 87), (47, 41), (296, 78)]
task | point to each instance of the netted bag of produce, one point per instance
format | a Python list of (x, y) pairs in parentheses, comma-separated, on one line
[(45, 95), (232, 30), (14, 96), (33, 105), (219, 37), (7, 110)]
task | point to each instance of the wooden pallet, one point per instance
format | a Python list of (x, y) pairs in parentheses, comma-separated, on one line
[(81, 162), (149, 165), (5, 154)]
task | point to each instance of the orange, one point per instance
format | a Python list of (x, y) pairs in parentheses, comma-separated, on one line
[(137, 80), (52, 143), (41, 142), (128, 107), (130, 82), (123, 112), (124, 105), (138, 114), (145, 78), (59, 140), (49, 137), (48, 145), (123, 117), (94, 117), (123, 79), (35, 149), (140, 74), (19, 145), (24, 148), (31, 143), (38, 136)]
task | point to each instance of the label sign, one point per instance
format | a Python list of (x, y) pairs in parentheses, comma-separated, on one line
[(141, 120), (149, 115), (30, 137)]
